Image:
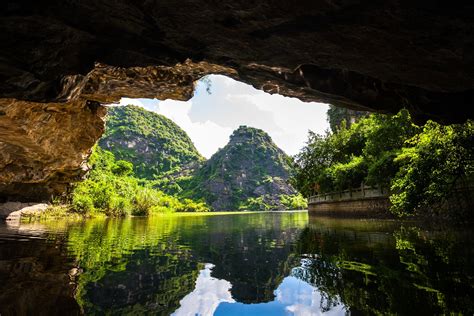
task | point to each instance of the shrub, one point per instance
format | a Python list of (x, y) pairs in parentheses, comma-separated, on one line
[(294, 202), (82, 203), (189, 205), (145, 199), (112, 189)]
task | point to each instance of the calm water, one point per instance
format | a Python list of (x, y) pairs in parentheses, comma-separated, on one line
[(243, 264)]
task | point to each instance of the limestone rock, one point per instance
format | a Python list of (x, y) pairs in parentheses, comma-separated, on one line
[(12, 211), (44, 146), (249, 166), (379, 55), (65, 58)]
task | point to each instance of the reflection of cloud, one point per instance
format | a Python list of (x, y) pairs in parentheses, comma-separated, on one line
[(292, 297), (302, 299), (207, 295)]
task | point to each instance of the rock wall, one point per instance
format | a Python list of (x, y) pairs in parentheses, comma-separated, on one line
[(358, 207), (70, 56), (44, 146)]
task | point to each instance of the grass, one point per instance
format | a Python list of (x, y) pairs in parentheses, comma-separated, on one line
[(54, 212), (188, 214)]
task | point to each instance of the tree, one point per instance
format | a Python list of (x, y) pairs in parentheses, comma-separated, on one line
[(337, 115), (431, 165)]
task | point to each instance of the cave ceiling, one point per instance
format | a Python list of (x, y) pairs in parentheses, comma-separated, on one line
[(61, 60)]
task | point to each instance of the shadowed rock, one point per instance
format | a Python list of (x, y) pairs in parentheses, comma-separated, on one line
[(74, 55)]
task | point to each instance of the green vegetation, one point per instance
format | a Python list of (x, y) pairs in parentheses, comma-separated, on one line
[(249, 173), (431, 164), (154, 144), (288, 201), (294, 201), (153, 167), (337, 115), (372, 266), (419, 164), (111, 188)]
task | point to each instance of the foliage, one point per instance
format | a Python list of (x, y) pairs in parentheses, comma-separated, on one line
[(431, 165), (348, 175), (255, 204), (153, 143), (421, 165), (294, 202), (111, 188)]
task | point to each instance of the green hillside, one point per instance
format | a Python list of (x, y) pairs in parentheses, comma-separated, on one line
[(250, 172), (153, 143)]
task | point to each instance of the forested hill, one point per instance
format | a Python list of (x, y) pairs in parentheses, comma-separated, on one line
[(250, 172), (152, 142)]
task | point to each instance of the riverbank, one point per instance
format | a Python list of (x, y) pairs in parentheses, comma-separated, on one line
[(31, 212), (15, 210)]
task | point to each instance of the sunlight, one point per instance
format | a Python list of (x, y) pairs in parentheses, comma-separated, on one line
[(210, 117)]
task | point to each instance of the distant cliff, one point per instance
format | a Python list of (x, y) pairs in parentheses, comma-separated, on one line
[(152, 142), (250, 172)]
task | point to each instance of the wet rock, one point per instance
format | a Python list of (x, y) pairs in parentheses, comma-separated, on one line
[(44, 146), (12, 211), (65, 58)]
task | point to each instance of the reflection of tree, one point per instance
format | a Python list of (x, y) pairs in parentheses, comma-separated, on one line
[(440, 266), (409, 272), (151, 283), (253, 252), (150, 264), (34, 278), (131, 266), (313, 271)]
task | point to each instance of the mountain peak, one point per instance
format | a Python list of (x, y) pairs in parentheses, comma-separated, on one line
[(250, 166), (249, 134), (152, 142)]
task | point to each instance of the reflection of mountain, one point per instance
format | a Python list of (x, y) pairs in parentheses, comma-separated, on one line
[(138, 265), (212, 296), (388, 267), (156, 265), (149, 284), (253, 261), (208, 293)]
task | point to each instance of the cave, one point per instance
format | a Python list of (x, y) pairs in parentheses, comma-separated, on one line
[(61, 60)]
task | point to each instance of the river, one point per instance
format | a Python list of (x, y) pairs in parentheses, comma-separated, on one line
[(279, 263)]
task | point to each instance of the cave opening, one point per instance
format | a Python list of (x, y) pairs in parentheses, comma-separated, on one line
[(221, 104)]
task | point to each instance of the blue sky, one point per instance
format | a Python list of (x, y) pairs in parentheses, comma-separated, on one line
[(209, 119)]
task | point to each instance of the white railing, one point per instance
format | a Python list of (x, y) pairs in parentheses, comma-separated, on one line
[(351, 194)]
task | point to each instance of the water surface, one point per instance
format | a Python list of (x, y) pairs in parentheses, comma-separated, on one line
[(242, 264)]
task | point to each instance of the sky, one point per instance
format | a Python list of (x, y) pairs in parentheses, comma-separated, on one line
[(212, 296), (210, 118)]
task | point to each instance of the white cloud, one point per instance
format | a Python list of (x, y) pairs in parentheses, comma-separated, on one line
[(209, 119), (302, 299), (208, 293), (207, 136)]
